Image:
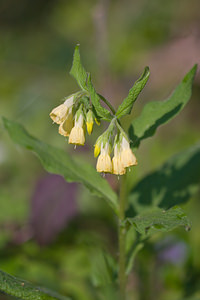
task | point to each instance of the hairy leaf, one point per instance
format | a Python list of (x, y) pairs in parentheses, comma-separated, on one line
[(58, 162), (157, 220), (174, 183), (78, 71), (127, 105), (157, 113), (101, 111), (24, 290)]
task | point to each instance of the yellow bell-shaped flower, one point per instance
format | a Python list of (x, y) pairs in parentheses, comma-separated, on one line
[(66, 127), (59, 113), (104, 163), (127, 157), (118, 166), (77, 134)]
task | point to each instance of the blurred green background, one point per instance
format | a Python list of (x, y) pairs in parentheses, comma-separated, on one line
[(53, 238)]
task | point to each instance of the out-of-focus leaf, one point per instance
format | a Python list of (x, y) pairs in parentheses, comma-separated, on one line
[(24, 290), (157, 220), (57, 161), (126, 106), (157, 113), (103, 270), (78, 71), (174, 183), (101, 111)]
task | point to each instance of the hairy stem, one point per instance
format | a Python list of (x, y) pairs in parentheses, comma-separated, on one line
[(122, 239)]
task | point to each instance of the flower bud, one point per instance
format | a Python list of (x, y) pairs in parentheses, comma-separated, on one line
[(89, 121)]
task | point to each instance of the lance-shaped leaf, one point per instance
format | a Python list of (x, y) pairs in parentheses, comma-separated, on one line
[(157, 113), (172, 184), (127, 105), (101, 111), (59, 162), (159, 220), (24, 290), (84, 81), (78, 71)]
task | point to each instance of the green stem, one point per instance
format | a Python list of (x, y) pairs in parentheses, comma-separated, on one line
[(107, 103), (122, 239)]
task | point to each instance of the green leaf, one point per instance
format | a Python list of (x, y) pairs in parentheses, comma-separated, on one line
[(24, 290), (127, 105), (78, 71), (103, 268), (101, 111), (157, 113), (158, 220), (57, 161), (84, 81), (174, 183)]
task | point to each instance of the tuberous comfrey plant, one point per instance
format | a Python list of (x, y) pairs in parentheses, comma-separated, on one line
[(79, 111), (146, 208)]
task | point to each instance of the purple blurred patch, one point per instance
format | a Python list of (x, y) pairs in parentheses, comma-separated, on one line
[(53, 205), (173, 251)]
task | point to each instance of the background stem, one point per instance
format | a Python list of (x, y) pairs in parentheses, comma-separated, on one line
[(122, 239)]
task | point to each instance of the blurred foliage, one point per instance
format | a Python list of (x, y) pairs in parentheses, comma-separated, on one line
[(117, 40)]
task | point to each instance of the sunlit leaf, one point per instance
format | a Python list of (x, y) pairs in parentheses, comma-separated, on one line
[(126, 106), (59, 162), (157, 113), (24, 290)]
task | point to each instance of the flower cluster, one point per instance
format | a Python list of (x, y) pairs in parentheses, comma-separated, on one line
[(72, 116), (123, 156), (75, 114)]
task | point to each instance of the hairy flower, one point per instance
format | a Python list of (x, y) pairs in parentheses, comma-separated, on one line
[(77, 135), (104, 163), (59, 113)]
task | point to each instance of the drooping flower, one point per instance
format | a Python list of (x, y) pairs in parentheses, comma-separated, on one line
[(59, 113), (104, 163), (118, 166), (66, 127), (89, 121), (127, 157), (77, 134)]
